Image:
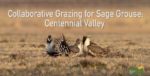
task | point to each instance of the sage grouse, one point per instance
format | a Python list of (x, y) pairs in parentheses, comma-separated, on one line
[(63, 46), (87, 47), (74, 48), (56, 47), (92, 49), (51, 47)]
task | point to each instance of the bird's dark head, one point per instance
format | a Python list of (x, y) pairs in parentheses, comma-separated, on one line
[(84, 39), (49, 39)]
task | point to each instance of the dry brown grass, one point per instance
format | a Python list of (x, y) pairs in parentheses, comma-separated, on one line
[(23, 54)]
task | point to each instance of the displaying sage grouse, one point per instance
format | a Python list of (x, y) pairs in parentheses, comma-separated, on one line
[(51, 47), (87, 47), (91, 48), (56, 47), (84, 47), (63, 46)]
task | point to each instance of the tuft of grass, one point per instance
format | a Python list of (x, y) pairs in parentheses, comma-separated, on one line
[(131, 43), (4, 41), (85, 63)]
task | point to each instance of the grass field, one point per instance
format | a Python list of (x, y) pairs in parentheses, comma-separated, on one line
[(22, 47)]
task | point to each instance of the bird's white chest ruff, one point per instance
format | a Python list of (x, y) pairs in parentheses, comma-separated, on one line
[(50, 46), (80, 46), (86, 44)]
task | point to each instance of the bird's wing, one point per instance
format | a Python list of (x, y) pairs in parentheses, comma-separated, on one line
[(95, 48), (92, 43)]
